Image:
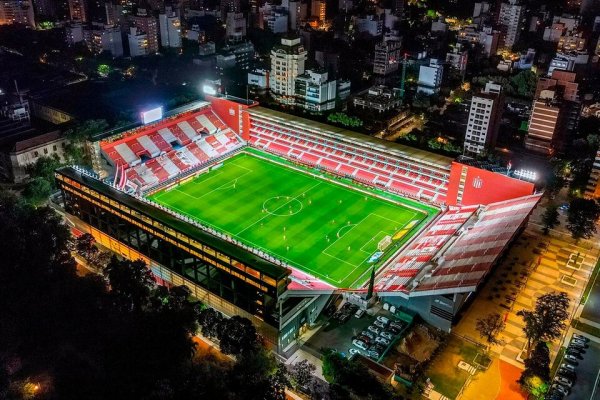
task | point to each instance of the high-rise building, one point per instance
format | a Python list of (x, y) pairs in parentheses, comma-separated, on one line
[(430, 77), (17, 12), (100, 38), (555, 113), (317, 9), (315, 91), (287, 62), (235, 26), (78, 10), (138, 42), (170, 28), (146, 24), (484, 120), (510, 18), (592, 189), (387, 57)]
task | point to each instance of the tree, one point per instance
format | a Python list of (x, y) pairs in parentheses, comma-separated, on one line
[(489, 327), (78, 135), (37, 191), (535, 386), (547, 321), (538, 363), (237, 336), (131, 283), (302, 374), (550, 218), (279, 382), (582, 217), (524, 83), (209, 320), (86, 248)]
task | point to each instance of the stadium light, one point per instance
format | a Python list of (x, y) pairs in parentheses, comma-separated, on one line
[(152, 115), (210, 90), (526, 174)]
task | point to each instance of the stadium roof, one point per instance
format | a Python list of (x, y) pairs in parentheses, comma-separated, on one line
[(457, 251), (397, 149), (274, 271)]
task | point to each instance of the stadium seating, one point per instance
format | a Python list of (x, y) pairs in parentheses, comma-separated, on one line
[(155, 153), (401, 175), (459, 249)]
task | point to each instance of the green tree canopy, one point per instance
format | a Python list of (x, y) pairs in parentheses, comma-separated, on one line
[(547, 320), (582, 217)]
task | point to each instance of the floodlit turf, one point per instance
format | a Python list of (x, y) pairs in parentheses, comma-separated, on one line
[(320, 227)]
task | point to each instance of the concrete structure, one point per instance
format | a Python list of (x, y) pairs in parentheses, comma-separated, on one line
[(235, 26), (170, 28), (243, 53), (511, 19), (104, 38), (17, 12), (78, 10), (315, 91), (258, 79), (146, 24), (430, 77), (387, 57), (458, 58), (555, 113), (487, 37), (371, 24), (74, 33), (287, 63), (317, 9), (275, 19), (592, 189), (481, 8), (379, 99), (138, 42), (484, 120)]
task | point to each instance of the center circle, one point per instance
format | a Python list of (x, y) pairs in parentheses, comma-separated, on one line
[(282, 206)]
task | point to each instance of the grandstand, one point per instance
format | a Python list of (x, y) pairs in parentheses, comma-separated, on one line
[(188, 193)]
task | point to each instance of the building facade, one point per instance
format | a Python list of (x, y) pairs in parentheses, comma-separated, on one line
[(147, 25), (511, 19), (387, 57), (315, 91), (287, 63), (430, 77), (170, 29), (484, 120)]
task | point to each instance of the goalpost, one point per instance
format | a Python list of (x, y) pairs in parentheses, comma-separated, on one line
[(384, 243)]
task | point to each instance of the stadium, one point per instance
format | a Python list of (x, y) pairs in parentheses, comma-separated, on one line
[(271, 216)]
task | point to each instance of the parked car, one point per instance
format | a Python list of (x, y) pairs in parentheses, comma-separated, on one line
[(568, 367), (560, 389), (579, 342), (359, 313), (572, 359), (360, 344), (368, 334), (393, 330), (580, 337), (374, 354), (365, 339), (382, 340), (398, 325), (374, 329), (567, 374), (386, 334), (554, 395), (353, 351), (383, 320), (577, 346), (379, 324), (575, 353), (563, 381)]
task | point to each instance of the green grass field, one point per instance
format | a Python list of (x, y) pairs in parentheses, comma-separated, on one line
[(320, 227)]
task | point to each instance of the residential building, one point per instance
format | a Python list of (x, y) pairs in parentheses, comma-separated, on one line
[(138, 42), (77, 10), (315, 91), (484, 120), (487, 37), (371, 24), (430, 77), (275, 18), (317, 9), (481, 8), (74, 33), (592, 190), (235, 26), (146, 24), (387, 57), (399, 8), (555, 113), (243, 53), (170, 28), (457, 58), (100, 38), (511, 19), (258, 80), (379, 99), (17, 12), (287, 63)]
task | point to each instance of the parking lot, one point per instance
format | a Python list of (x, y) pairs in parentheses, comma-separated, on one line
[(586, 368), (339, 335)]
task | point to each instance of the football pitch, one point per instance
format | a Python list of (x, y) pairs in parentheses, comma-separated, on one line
[(318, 226)]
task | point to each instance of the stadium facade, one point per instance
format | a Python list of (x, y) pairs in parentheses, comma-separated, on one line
[(481, 209)]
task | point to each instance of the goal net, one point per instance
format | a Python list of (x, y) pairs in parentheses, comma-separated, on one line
[(384, 243)]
